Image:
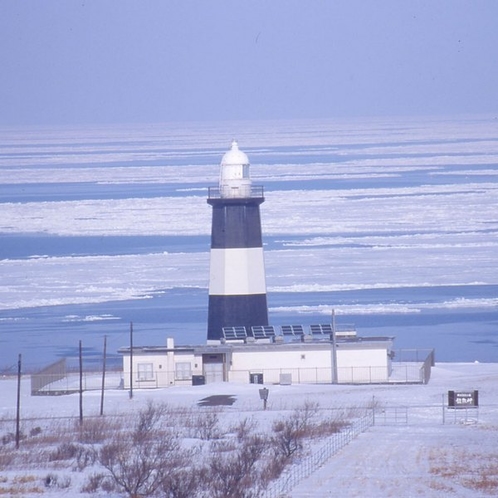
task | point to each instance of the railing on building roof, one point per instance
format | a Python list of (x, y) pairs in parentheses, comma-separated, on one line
[(256, 192)]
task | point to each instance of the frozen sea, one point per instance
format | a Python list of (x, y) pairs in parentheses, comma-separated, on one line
[(391, 223)]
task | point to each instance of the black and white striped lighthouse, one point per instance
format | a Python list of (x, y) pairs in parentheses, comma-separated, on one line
[(237, 286)]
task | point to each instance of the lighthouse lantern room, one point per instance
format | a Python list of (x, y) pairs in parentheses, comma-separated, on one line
[(235, 180)]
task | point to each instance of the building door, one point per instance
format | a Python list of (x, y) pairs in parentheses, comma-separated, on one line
[(214, 367)]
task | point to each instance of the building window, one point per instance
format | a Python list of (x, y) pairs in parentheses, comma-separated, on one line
[(183, 370), (145, 371)]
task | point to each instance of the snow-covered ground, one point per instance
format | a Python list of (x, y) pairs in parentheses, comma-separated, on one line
[(416, 447)]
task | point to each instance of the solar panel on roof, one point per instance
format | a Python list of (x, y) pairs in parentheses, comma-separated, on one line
[(234, 332), (321, 328), (228, 333), (263, 331), (270, 330), (292, 329), (258, 331), (240, 332)]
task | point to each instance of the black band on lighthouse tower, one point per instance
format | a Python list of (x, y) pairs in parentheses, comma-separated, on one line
[(237, 287)]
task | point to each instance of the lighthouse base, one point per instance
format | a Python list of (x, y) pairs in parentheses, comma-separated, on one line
[(235, 311)]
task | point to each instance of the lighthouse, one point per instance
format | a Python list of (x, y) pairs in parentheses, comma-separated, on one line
[(237, 284)]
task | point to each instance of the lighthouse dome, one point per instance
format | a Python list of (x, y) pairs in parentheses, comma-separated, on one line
[(234, 156), (235, 180)]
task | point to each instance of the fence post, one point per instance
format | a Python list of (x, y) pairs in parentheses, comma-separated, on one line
[(442, 405), (18, 411), (81, 381)]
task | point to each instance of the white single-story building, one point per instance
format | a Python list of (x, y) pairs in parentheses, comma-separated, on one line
[(306, 359)]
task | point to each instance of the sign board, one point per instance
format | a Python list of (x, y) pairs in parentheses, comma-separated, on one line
[(463, 399)]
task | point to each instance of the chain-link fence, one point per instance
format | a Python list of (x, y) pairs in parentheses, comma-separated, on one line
[(409, 366), (57, 379), (306, 466)]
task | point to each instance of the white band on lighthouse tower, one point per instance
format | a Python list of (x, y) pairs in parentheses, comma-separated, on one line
[(237, 271)]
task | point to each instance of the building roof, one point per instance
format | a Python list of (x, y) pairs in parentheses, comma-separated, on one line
[(346, 343)]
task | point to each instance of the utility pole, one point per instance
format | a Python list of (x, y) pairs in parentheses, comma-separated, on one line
[(131, 360), (334, 351), (103, 377), (18, 412), (81, 383)]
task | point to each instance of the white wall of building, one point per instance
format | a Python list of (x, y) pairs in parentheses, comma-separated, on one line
[(304, 364), (161, 369), (365, 365)]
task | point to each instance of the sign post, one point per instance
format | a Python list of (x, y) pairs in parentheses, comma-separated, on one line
[(263, 394)]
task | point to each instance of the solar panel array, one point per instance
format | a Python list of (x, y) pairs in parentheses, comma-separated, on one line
[(269, 331), (321, 328), (234, 333), (263, 331), (292, 329)]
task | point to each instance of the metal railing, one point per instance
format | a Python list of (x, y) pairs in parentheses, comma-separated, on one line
[(254, 191), (65, 382), (55, 384), (49, 375), (414, 355), (390, 415), (57, 379), (416, 363), (313, 375), (302, 469)]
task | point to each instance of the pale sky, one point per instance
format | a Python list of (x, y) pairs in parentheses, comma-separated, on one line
[(123, 61)]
